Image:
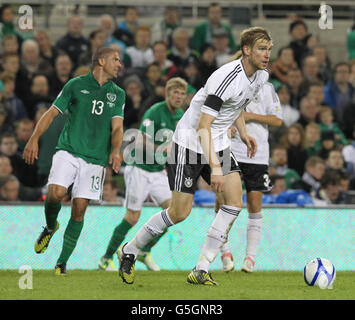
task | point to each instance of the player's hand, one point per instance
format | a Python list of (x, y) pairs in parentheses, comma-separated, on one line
[(217, 180), (251, 144), (115, 160), (232, 132), (30, 153)]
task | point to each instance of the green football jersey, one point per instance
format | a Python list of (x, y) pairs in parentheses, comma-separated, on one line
[(91, 107), (159, 124)]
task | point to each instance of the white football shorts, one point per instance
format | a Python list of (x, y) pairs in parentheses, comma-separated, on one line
[(87, 178), (140, 183)]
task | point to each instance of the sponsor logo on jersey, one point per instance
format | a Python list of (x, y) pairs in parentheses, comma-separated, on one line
[(84, 91), (111, 97)]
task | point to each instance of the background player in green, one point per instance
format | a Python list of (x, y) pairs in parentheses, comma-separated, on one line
[(146, 175), (91, 138)]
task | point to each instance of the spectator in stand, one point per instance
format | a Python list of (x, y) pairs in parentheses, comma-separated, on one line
[(294, 141), (48, 52), (312, 134), (349, 155), (279, 165), (314, 172), (203, 33), (23, 131), (30, 64), (126, 30), (344, 181), (310, 70), (327, 123), (10, 64), (7, 22), (335, 161), (278, 184), (12, 190), (284, 62), (339, 91), (152, 79), (39, 95), (180, 51), (61, 75), (327, 144), (316, 91), (141, 54), (308, 110), (15, 107), (134, 100), (73, 42), (25, 173), (5, 125), (163, 30), (108, 26), (223, 52), (330, 190), (324, 64), (290, 115), (299, 34), (294, 80), (10, 44), (5, 167), (168, 68), (208, 62), (97, 40), (190, 71), (110, 193)]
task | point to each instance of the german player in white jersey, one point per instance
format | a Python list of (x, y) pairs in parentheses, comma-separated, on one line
[(202, 148), (263, 111)]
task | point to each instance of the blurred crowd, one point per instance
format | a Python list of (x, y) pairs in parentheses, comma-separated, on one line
[(311, 156)]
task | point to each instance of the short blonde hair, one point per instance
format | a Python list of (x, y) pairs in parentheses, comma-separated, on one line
[(176, 82)]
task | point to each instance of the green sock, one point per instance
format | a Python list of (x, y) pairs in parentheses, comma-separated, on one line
[(152, 243), (71, 236), (51, 211), (117, 238)]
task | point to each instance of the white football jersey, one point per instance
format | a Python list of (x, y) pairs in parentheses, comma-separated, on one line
[(265, 103), (226, 93)]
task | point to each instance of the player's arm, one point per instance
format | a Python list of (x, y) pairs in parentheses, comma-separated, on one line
[(116, 142), (245, 137), (270, 120), (205, 136), (30, 153)]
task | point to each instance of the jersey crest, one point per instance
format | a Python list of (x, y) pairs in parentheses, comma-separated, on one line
[(111, 97)]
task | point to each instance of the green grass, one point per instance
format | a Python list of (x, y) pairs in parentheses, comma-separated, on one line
[(171, 285)]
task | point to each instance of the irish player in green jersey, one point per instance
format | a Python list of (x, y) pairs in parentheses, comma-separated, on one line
[(91, 139), (146, 174)]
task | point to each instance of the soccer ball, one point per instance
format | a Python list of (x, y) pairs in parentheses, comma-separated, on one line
[(319, 272)]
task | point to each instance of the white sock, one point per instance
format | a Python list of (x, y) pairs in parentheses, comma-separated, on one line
[(217, 235), (225, 247), (253, 233), (155, 226)]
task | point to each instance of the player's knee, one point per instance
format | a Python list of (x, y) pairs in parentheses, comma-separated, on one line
[(177, 216), (56, 193)]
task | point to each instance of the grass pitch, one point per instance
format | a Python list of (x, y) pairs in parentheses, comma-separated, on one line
[(171, 285)]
